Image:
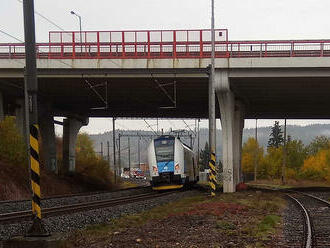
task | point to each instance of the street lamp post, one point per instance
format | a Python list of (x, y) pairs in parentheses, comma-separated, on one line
[(74, 13)]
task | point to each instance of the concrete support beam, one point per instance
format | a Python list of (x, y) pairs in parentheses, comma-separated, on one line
[(232, 122), (2, 112), (71, 129), (47, 132)]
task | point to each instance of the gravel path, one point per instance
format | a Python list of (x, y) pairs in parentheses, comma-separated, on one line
[(47, 203), (70, 222)]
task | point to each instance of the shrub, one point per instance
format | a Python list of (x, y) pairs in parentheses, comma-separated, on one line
[(93, 168), (12, 146)]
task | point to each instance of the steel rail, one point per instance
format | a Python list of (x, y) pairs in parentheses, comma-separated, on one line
[(307, 216), (308, 224), (316, 198), (78, 207), (82, 194)]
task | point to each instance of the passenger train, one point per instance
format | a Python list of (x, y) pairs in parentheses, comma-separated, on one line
[(172, 164)]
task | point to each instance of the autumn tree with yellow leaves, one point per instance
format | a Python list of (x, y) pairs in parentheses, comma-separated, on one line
[(92, 167), (252, 154), (302, 162)]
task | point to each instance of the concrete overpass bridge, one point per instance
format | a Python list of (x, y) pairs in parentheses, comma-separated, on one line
[(164, 74)]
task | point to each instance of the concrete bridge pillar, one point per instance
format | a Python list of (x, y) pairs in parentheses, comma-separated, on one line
[(238, 135), (48, 139), (20, 116), (71, 127), (2, 112), (232, 122)]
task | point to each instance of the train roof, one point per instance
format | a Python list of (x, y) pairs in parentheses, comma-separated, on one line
[(165, 137), (173, 137)]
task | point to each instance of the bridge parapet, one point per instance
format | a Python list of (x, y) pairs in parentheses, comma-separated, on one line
[(162, 44)]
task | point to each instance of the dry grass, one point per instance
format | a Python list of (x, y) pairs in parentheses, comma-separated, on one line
[(251, 215), (276, 183)]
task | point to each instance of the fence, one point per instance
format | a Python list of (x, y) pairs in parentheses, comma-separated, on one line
[(162, 44)]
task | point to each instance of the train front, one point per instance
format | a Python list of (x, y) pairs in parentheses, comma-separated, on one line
[(165, 173)]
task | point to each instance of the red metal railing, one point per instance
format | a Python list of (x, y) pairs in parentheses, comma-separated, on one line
[(161, 44)]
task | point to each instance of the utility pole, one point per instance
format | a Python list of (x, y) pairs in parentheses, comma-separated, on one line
[(284, 155), (157, 125), (31, 82), (212, 123), (256, 153), (198, 140), (129, 156), (119, 153), (108, 152), (139, 150), (102, 150), (114, 147)]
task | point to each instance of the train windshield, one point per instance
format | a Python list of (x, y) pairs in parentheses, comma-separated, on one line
[(164, 149)]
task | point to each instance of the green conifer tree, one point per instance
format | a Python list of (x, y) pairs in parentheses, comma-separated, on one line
[(276, 136)]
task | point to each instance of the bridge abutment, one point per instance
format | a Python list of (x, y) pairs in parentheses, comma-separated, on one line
[(2, 112), (232, 122), (71, 127), (48, 138)]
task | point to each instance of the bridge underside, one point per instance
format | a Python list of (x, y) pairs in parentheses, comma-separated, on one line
[(241, 93), (295, 98), (140, 95)]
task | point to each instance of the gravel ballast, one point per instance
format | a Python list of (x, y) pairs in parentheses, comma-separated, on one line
[(70, 222), (293, 225), (13, 206)]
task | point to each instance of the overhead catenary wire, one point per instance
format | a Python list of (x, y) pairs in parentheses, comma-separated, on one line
[(188, 127), (150, 127), (11, 36), (45, 18), (62, 29), (15, 38)]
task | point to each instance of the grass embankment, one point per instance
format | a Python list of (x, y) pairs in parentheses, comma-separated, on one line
[(246, 219), (92, 173), (289, 184)]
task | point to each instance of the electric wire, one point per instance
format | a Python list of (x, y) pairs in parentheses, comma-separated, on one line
[(189, 127), (150, 127), (45, 18), (15, 38), (11, 36)]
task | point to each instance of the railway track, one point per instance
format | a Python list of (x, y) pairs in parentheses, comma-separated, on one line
[(316, 212), (92, 193), (14, 217)]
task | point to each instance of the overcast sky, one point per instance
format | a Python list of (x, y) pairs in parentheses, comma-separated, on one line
[(245, 20)]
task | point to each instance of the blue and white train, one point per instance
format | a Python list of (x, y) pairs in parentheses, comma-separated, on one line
[(172, 164)]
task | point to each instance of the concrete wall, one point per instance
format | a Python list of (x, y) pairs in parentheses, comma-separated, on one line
[(247, 63)]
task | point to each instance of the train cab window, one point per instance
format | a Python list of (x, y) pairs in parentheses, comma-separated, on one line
[(164, 149)]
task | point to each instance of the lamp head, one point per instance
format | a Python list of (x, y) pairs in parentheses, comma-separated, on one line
[(72, 12)]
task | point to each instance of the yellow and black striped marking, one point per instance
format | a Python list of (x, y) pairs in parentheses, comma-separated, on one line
[(35, 171), (212, 174)]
